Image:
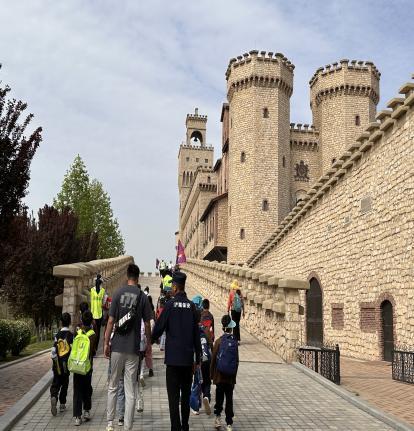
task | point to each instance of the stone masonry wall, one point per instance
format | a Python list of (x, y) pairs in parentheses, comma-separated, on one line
[(354, 232), (271, 301)]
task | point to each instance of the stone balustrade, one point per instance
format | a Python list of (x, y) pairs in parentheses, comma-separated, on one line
[(80, 277), (272, 301)]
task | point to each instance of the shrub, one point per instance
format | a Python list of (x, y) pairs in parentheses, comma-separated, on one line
[(15, 335), (6, 336), (22, 336)]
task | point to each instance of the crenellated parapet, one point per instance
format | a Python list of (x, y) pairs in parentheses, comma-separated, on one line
[(197, 147), (264, 69), (345, 77), (304, 136)]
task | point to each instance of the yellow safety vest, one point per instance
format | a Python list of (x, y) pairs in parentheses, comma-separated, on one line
[(167, 281), (96, 302)]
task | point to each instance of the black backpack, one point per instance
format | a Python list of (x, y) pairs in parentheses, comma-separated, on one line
[(128, 320)]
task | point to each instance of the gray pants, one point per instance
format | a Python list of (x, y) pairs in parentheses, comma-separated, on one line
[(129, 363)]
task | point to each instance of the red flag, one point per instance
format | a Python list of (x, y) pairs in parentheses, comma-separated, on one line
[(157, 263), (180, 254)]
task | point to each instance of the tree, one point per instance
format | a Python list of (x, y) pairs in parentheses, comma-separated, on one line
[(30, 285), (75, 194), (16, 154), (92, 205)]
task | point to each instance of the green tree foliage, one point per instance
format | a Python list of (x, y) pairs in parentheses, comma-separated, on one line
[(111, 242), (16, 153), (92, 205)]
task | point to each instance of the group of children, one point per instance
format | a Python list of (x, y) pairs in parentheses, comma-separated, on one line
[(75, 354), (220, 360)]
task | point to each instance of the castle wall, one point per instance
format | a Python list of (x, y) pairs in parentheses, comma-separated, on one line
[(354, 232)]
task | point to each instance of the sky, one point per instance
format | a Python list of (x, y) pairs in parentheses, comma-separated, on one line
[(114, 80)]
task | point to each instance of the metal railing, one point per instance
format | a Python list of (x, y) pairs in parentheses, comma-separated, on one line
[(403, 365), (323, 360)]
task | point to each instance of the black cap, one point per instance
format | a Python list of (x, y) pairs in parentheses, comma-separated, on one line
[(179, 278)]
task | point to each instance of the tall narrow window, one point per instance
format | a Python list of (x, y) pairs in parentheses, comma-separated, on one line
[(284, 161), (265, 205), (357, 120), (333, 161), (208, 180), (243, 157), (205, 160), (242, 234), (265, 113)]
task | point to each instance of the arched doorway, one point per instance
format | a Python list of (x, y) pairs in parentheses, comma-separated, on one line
[(387, 330), (314, 320)]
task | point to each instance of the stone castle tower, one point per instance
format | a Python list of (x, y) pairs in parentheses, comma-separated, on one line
[(193, 153), (344, 97), (259, 86)]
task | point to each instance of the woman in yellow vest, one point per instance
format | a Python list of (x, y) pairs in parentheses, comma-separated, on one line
[(98, 298)]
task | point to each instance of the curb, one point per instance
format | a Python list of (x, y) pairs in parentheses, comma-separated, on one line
[(387, 418), (19, 409), (18, 361)]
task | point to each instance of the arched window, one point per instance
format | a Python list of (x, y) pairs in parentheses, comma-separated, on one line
[(333, 161), (357, 120), (242, 157), (265, 205), (242, 233), (284, 161), (208, 180), (183, 181), (265, 113)]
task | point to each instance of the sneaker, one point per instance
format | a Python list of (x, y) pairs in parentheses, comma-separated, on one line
[(207, 407), (142, 381), (151, 373), (62, 408), (121, 422), (140, 405), (78, 422), (195, 412), (53, 404), (86, 416), (229, 428), (110, 426), (217, 422)]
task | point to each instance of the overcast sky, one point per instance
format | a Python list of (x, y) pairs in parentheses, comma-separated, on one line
[(114, 80)]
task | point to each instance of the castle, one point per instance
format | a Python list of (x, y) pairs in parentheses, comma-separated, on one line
[(250, 207)]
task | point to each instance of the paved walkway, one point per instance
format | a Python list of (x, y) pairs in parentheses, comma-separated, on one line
[(17, 379), (372, 381), (269, 396)]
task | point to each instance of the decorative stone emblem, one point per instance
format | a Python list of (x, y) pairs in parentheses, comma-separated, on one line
[(301, 171)]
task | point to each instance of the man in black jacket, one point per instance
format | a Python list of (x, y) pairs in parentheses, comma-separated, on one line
[(182, 350)]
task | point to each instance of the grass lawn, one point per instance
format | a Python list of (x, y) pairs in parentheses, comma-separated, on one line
[(29, 350)]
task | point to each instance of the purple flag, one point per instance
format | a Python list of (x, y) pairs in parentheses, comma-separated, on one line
[(180, 254)]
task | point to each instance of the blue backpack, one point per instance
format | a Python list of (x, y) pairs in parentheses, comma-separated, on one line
[(237, 304), (228, 355)]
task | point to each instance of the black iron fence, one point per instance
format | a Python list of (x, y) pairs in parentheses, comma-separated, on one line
[(403, 365), (323, 360)]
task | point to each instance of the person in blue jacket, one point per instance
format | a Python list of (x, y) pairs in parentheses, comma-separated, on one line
[(182, 350)]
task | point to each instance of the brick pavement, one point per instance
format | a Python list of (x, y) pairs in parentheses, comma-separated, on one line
[(372, 381), (17, 379), (269, 396)]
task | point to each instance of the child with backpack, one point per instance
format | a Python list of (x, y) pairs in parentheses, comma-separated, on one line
[(60, 354), (80, 363), (235, 306), (207, 340), (224, 365)]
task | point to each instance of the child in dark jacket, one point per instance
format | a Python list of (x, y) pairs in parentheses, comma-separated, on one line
[(225, 356), (60, 353), (82, 384)]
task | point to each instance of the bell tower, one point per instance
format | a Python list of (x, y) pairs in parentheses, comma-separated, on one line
[(193, 153)]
